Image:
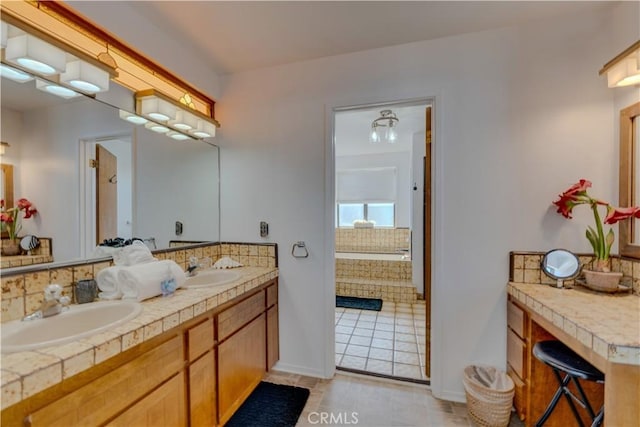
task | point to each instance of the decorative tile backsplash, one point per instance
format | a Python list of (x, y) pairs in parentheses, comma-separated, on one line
[(524, 267), (381, 240), (22, 291)]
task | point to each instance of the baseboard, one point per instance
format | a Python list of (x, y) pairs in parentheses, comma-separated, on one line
[(299, 370), (453, 396)]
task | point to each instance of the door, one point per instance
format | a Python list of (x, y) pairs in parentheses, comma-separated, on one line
[(426, 262), (106, 194)]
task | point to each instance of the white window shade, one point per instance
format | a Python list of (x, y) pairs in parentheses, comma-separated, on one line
[(366, 185)]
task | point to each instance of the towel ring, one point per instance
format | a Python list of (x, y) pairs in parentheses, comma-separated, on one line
[(301, 245)]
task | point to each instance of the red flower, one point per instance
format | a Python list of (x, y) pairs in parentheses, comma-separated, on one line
[(579, 187), (1, 203), (29, 212), (24, 204), (618, 214), (5, 217)]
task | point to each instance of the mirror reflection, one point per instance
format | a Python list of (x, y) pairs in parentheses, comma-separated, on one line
[(629, 185), (94, 176), (560, 264)]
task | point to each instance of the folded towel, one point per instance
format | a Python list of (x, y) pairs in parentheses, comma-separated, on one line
[(135, 253), (226, 262), (150, 279), (108, 283), (103, 251)]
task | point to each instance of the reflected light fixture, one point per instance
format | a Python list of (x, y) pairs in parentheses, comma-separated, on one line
[(35, 55), (3, 147), (157, 127), (175, 115), (4, 32), (14, 74), (624, 69), (178, 136), (384, 128), (55, 89), (132, 118), (85, 77)]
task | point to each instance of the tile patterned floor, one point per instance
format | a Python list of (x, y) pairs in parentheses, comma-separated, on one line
[(358, 400), (389, 342)]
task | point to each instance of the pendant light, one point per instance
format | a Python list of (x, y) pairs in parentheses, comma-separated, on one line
[(384, 128)]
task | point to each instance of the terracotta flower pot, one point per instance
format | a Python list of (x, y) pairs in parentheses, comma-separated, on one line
[(606, 281), (11, 247)]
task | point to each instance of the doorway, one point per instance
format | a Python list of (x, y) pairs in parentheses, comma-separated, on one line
[(106, 193), (383, 237)]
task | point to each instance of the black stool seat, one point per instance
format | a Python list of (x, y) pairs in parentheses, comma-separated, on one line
[(559, 356), (568, 367)]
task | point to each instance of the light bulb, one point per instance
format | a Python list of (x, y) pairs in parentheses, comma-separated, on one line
[(392, 135), (374, 137)]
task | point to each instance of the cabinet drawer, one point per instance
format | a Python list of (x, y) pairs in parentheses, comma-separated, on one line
[(519, 398), (272, 295), (240, 314), (200, 339), (516, 353), (515, 319)]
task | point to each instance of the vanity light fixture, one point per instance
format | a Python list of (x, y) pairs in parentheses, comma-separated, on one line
[(35, 55), (85, 77), (132, 118), (204, 129), (387, 120), (54, 89), (624, 69), (178, 136), (14, 74), (3, 147), (4, 33), (155, 108), (184, 121)]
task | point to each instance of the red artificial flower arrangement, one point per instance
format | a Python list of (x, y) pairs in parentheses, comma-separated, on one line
[(601, 243), (9, 217)]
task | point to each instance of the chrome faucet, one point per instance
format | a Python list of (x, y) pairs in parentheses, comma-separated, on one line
[(195, 263), (53, 303)]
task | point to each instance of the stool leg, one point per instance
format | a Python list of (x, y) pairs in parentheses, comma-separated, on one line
[(562, 390), (597, 421), (583, 399)]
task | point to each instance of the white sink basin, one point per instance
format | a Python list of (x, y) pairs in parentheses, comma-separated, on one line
[(209, 278), (77, 322)]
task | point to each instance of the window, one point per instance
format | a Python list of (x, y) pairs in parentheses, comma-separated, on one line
[(383, 214)]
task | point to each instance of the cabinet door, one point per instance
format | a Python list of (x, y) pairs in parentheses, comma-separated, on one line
[(164, 407), (273, 344), (241, 366), (202, 391)]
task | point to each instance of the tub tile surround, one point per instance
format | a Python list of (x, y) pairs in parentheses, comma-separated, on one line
[(26, 373), (378, 240), (524, 267), (22, 290)]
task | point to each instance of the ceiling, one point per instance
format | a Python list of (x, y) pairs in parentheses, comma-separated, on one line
[(236, 36)]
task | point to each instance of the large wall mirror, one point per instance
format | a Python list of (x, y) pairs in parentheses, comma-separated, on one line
[(147, 185), (630, 178)]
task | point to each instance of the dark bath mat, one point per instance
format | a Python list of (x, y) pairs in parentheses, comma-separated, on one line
[(359, 303), (271, 405)]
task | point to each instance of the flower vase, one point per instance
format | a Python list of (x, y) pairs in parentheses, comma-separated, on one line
[(605, 281), (11, 247)]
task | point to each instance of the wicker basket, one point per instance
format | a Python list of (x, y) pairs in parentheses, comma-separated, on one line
[(488, 407)]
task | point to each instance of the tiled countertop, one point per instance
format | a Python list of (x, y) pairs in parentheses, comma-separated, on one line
[(607, 323), (25, 373)]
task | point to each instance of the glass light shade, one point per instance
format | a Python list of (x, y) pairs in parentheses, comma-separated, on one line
[(55, 89), (132, 118), (178, 136), (156, 127), (374, 136), (391, 135), (184, 121), (157, 109), (85, 77), (625, 72), (204, 129), (35, 55), (14, 74)]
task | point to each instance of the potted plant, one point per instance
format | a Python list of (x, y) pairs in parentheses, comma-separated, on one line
[(10, 222), (600, 276)]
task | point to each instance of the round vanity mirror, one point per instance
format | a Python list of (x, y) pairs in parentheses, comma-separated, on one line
[(560, 264)]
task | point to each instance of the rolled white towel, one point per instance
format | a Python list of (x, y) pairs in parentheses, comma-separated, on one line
[(135, 253), (147, 280), (107, 280)]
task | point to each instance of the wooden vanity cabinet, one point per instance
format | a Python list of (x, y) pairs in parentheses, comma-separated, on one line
[(196, 374), (517, 353)]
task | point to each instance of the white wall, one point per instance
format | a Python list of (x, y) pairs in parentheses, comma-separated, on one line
[(399, 160), (520, 114)]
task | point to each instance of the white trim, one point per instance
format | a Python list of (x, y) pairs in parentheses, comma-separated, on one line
[(329, 235), (301, 370)]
